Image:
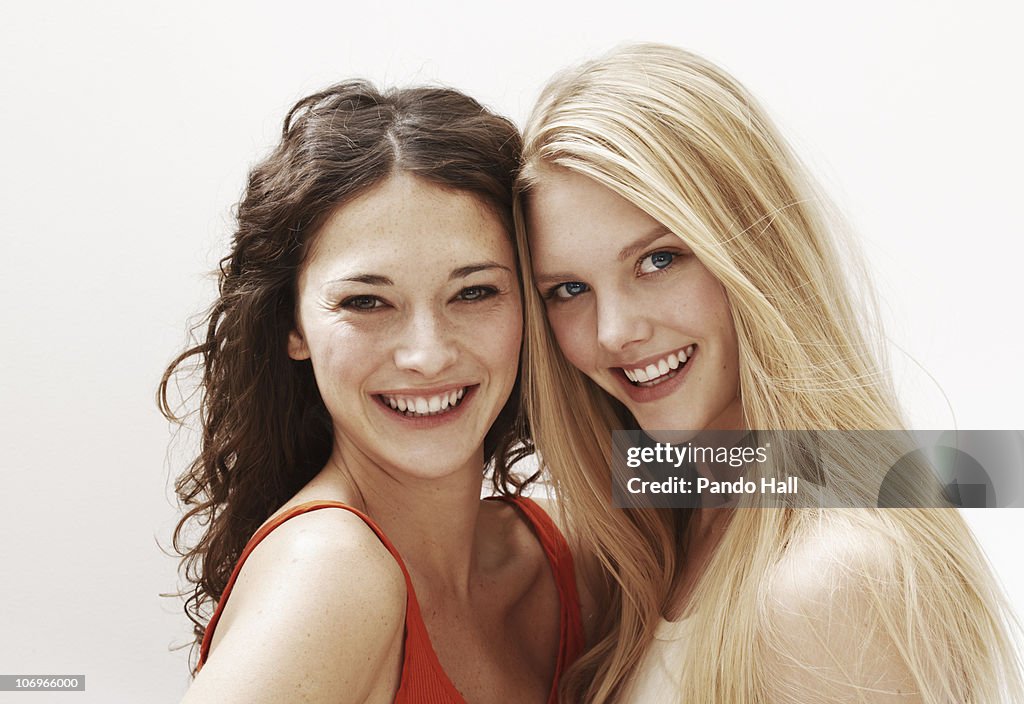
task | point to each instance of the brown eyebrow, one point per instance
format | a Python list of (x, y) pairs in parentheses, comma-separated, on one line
[(464, 271), (381, 280), (369, 279)]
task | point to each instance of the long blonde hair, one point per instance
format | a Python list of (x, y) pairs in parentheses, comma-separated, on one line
[(680, 139)]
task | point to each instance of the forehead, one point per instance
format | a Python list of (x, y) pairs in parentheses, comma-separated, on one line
[(408, 222), (567, 213)]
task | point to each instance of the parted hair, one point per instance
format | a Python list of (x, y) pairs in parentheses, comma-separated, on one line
[(683, 141), (264, 429)]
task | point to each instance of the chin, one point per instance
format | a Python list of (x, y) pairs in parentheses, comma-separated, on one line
[(433, 463), (651, 420), (673, 437)]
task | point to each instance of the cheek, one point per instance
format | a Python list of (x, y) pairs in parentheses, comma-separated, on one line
[(501, 338), (722, 320), (712, 304), (342, 357), (717, 320), (487, 337), (570, 331)]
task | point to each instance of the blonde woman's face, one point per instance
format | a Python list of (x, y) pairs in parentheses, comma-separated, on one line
[(409, 309), (632, 307)]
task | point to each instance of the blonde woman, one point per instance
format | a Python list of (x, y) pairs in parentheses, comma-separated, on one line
[(684, 277)]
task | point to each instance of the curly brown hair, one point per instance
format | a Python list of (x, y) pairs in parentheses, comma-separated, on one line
[(264, 429)]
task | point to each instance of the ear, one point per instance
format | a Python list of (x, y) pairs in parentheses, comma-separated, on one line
[(297, 348)]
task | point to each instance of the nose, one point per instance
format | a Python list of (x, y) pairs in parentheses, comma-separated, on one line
[(621, 322), (426, 346)]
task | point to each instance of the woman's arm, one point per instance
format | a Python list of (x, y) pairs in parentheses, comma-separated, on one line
[(316, 615)]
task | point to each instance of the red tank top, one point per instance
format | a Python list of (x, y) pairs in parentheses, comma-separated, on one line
[(423, 681)]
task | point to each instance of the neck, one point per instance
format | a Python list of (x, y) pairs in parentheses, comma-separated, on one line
[(706, 528), (432, 521), (703, 534)]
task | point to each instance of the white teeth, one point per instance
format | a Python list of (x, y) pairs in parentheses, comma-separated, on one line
[(654, 372), (421, 405)]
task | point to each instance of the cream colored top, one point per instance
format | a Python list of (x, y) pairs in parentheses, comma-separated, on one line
[(657, 678)]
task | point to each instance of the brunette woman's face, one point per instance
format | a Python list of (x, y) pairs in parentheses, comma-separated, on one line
[(409, 308), (632, 307)]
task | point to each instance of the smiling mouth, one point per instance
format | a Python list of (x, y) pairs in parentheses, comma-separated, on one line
[(661, 371), (410, 406)]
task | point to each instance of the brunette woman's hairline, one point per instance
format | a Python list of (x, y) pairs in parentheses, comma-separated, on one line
[(253, 460)]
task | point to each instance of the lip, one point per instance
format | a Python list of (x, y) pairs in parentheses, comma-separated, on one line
[(646, 394), (426, 422), (426, 391)]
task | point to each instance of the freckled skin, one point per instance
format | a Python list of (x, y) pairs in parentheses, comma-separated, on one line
[(634, 308), (424, 330), (409, 290)]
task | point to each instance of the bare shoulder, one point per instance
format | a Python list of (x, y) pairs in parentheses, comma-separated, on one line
[(318, 608), (831, 603), (827, 557)]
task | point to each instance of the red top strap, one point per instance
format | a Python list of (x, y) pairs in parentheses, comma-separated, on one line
[(423, 680)]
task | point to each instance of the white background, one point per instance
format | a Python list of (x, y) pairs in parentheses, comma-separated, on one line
[(125, 136)]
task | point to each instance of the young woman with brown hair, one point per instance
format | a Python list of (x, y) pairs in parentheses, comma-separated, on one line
[(359, 371)]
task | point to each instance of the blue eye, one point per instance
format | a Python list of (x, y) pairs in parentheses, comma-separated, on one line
[(656, 261), (362, 303), (568, 290)]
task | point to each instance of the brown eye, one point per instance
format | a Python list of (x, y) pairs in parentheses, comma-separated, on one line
[(362, 303), (476, 293)]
